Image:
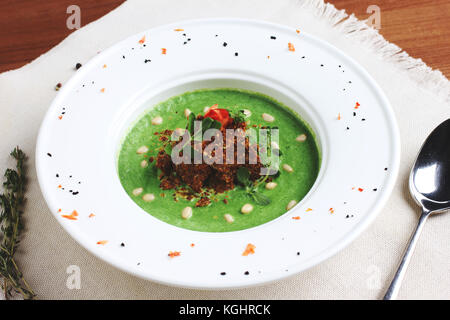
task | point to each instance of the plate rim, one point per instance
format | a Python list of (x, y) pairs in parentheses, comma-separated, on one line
[(313, 261)]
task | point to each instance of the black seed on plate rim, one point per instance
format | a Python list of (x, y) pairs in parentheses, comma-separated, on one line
[(75, 193), (49, 154), (321, 65), (57, 175), (385, 169), (223, 273), (303, 57), (363, 119), (354, 114), (375, 189), (273, 37), (225, 44), (298, 253), (122, 244), (236, 54), (78, 66), (246, 273)]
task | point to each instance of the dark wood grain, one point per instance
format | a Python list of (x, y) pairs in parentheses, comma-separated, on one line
[(29, 28)]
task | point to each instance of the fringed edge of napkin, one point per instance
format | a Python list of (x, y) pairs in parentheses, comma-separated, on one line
[(359, 31)]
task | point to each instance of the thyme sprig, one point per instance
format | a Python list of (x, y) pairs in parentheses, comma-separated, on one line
[(11, 225)]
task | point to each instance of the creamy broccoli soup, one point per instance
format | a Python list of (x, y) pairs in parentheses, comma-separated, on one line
[(209, 195)]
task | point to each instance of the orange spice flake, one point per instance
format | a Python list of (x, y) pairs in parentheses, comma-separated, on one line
[(142, 40), (296, 218), (60, 117), (179, 30), (104, 66), (339, 116), (309, 209), (250, 249), (59, 187), (102, 90), (91, 215), (298, 31), (102, 242), (360, 189), (72, 216), (192, 245), (357, 105), (174, 254), (331, 210), (291, 47), (163, 50)]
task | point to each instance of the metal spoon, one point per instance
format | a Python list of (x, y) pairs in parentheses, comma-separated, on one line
[(429, 184)]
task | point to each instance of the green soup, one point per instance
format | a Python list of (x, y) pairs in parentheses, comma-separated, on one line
[(302, 156)]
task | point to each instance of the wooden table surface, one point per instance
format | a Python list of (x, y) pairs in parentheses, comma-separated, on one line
[(29, 28)]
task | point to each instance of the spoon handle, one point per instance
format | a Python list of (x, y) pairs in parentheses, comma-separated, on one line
[(391, 293)]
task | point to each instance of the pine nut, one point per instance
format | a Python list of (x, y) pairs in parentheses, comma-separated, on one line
[(180, 131), (144, 164), (287, 168), (137, 191), (228, 217), (271, 185), (246, 208), (157, 120), (291, 204), (247, 113), (148, 197), (187, 112), (141, 150), (267, 117), (186, 213), (301, 138), (275, 145)]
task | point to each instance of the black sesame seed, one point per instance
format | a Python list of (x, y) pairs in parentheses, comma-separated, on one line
[(347, 216), (223, 273), (246, 273), (57, 175), (189, 39), (303, 57), (236, 54), (354, 114), (184, 42), (49, 154), (75, 193), (122, 244), (184, 34), (363, 119), (225, 44), (273, 37), (123, 57), (385, 169), (321, 65), (340, 66), (375, 189), (147, 60), (348, 128), (298, 253), (216, 35), (77, 66)]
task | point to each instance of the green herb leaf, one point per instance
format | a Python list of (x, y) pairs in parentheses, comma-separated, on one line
[(243, 176), (216, 125), (260, 198), (190, 124)]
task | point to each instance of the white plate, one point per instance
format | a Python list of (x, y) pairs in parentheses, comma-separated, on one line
[(80, 138)]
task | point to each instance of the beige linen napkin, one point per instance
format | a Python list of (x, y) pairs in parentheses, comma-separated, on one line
[(420, 99)]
